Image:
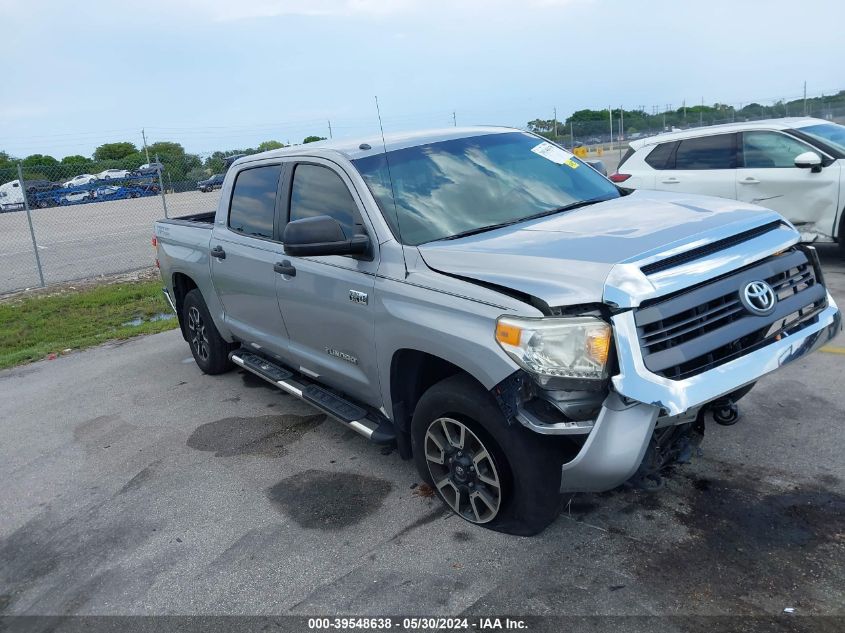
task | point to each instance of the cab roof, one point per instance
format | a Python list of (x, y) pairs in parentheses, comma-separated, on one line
[(352, 148)]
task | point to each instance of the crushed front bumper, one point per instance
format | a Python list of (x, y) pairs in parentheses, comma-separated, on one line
[(636, 382), (617, 443)]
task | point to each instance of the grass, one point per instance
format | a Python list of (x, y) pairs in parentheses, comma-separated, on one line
[(34, 327)]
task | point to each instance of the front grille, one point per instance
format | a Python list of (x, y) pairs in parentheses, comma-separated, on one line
[(704, 326)]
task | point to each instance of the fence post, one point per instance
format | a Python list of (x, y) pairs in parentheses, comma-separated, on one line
[(161, 188), (31, 229)]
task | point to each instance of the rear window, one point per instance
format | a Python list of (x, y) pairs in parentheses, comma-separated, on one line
[(253, 203), (707, 152), (660, 155)]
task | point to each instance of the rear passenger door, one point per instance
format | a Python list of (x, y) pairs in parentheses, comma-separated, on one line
[(327, 302), (243, 253), (703, 165)]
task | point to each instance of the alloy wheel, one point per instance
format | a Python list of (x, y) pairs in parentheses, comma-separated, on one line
[(463, 470), (196, 328)]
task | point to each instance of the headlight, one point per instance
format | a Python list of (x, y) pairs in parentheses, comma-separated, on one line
[(567, 347)]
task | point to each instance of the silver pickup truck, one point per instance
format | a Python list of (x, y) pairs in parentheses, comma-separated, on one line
[(504, 314)]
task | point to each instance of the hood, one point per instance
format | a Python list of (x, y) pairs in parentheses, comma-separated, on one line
[(565, 259)]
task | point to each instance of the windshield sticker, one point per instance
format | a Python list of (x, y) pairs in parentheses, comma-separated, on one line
[(554, 154)]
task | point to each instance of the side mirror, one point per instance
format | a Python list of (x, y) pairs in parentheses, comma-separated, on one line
[(598, 165), (321, 235), (809, 160)]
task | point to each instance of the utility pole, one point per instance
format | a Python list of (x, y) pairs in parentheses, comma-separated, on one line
[(621, 123), (621, 130), (454, 119), (330, 128), (701, 113), (571, 134), (555, 120), (146, 151), (805, 98), (610, 118)]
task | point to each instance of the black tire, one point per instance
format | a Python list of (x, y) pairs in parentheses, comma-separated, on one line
[(526, 465), (209, 349), (841, 236)]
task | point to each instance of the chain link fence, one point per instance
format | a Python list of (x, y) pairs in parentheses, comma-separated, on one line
[(58, 225)]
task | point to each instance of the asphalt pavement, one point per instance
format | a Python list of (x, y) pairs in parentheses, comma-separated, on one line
[(134, 484), (87, 240)]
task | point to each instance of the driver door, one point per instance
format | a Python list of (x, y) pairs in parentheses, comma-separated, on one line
[(767, 176), (327, 301)]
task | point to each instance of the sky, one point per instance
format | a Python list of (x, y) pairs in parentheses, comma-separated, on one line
[(224, 74)]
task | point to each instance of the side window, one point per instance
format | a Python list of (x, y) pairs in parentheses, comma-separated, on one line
[(770, 149), (707, 152), (253, 202), (317, 190), (660, 155)]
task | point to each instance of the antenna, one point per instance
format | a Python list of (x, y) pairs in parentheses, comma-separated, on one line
[(392, 192)]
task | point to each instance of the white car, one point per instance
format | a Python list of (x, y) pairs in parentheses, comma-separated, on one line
[(81, 179), (77, 196), (111, 174), (793, 166)]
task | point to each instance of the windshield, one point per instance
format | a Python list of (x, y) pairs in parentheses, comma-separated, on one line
[(464, 185), (830, 133)]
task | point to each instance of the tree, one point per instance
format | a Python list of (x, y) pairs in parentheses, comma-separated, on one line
[(177, 163), (268, 145), (114, 151), (313, 139), (37, 160), (75, 159)]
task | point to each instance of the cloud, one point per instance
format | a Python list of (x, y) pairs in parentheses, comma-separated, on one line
[(226, 10)]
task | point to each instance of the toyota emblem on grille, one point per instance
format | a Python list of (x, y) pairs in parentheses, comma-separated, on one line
[(758, 298)]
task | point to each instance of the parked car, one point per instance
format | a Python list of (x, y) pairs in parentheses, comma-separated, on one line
[(210, 184), (112, 174), (82, 179), (512, 320), (794, 166), (77, 196), (150, 169), (36, 185)]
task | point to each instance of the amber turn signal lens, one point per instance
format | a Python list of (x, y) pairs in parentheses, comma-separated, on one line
[(508, 334), (598, 345)]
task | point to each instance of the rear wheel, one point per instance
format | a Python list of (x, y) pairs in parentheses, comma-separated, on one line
[(210, 350), (489, 472)]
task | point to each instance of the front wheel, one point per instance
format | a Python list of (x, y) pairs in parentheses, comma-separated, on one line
[(210, 350), (488, 471)]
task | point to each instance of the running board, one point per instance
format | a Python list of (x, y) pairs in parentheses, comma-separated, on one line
[(350, 414)]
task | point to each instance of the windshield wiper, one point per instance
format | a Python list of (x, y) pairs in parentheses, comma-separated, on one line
[(542, 214)]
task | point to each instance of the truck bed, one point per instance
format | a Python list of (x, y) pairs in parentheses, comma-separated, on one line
[(206, 217)]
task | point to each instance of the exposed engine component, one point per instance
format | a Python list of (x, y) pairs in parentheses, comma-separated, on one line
[(671, 444)]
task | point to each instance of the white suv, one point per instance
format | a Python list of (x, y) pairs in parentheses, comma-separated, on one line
[(793, 166)]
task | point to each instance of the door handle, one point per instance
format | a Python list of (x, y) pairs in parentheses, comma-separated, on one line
[(217, 252), (749, 181), (285, 268), (671, 181)]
